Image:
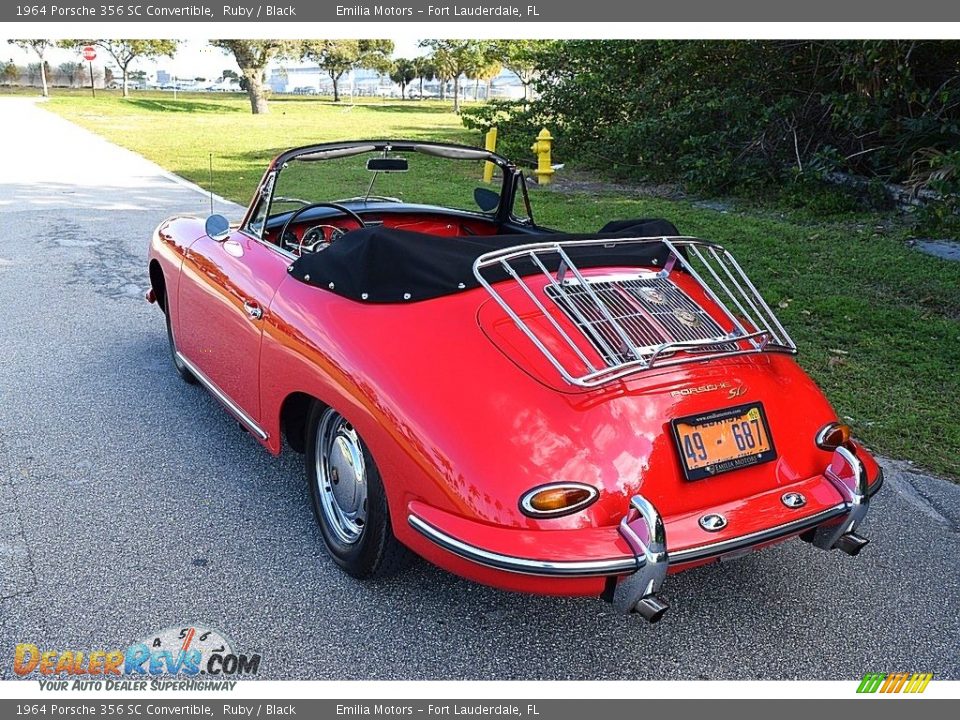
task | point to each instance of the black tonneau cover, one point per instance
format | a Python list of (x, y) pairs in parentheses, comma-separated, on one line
[(386, 265)]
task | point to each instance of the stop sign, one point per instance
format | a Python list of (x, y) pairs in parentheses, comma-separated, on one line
[(89, 53)]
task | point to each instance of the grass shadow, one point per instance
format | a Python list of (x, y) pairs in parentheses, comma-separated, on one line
[(392, 106), (184, 106), (412, 107)]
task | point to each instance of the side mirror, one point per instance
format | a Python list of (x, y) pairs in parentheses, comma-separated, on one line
[(217, 228), (486, 199)]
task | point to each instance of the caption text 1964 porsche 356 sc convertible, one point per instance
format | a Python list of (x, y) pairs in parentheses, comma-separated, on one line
[(539, 411)]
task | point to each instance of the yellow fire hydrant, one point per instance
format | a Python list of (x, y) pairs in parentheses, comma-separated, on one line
[(541, 148), (491, 145)]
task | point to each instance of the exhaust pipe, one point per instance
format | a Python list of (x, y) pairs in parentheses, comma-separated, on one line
[(848, 476), (642, 528), (851, 543), (651, 608)]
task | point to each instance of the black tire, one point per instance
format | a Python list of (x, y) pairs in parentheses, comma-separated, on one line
[(178, 365), (366, 549)]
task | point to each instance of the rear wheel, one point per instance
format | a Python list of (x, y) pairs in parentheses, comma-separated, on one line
[(178, 364), (349, 500)]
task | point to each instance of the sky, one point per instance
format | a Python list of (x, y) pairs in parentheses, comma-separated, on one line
[(194, 58)]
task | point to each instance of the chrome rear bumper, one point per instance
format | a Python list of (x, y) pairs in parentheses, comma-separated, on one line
[(642, 575), (642, 528), (849, 477), (525, 566)]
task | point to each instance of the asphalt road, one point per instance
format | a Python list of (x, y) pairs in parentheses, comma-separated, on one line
[(131, 502)]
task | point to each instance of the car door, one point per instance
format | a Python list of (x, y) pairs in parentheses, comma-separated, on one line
[(225, 292)]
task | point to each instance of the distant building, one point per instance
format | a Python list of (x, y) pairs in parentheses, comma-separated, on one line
[(302, 80), (506, 86), (282, 80), (309, 80), (163, 77)]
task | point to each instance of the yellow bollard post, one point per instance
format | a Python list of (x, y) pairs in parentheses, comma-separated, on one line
[(541, 148), (491, 145)]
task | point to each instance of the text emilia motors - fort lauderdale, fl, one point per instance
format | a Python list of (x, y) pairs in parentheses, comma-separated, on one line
[(437, 11)]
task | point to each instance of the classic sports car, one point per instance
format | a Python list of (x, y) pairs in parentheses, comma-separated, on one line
[(539, 411)]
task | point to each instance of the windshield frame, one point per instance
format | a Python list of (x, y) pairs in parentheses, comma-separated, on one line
[(510, 175)]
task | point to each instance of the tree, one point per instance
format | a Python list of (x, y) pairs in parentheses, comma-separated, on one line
[(229, 77), (403, 73), (486, 70), (124, 52), (10, 73), (38, 47), (139, 77), (423, 70), (72, 72), (338, 57), (751, 116), (522, 58), (454, 58), (252, 57), (283, 75)]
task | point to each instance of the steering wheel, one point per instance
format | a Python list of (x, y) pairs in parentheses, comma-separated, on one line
[(300, 210)]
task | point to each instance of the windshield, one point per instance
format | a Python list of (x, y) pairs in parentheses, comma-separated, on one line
[(440, 181)]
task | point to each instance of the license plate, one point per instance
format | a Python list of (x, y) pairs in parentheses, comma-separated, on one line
[(719, 441)]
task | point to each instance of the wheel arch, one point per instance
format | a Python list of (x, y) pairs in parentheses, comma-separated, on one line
[(159, 284), (293, 418)]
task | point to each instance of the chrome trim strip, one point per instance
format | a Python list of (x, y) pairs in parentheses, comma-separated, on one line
[(586, 568), (276, 248), (703, 552), (222, 397), (614, 566)]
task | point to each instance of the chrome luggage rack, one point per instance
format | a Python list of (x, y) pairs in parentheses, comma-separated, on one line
[(633, 320)]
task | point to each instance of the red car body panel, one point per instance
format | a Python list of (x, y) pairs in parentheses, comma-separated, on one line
[(463, 415)]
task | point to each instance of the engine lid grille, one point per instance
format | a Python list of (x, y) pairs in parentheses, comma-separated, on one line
[(652, 311)]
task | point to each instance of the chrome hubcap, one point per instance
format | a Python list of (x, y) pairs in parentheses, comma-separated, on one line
[(341, 478)]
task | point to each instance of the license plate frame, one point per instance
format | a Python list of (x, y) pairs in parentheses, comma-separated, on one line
[(729, 462)]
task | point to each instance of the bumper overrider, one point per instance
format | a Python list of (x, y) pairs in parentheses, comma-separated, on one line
[(640, 573)]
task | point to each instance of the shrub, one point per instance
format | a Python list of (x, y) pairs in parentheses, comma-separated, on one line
[(744, 116)]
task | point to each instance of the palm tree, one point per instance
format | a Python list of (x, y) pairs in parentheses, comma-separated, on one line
[(402, 73), (424, 70)]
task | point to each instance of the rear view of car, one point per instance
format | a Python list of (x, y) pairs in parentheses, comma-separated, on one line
[(536, 410)]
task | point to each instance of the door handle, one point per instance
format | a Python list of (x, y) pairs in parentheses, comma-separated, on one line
[(254, 311)]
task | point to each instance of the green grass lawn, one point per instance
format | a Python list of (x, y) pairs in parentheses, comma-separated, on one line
[(878, 324), (180, 134)]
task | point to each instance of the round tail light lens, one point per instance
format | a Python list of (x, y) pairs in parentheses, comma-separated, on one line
[(834, 435), (557, 499)]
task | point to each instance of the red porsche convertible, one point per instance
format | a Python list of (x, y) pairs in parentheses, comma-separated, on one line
[(539, 411)]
